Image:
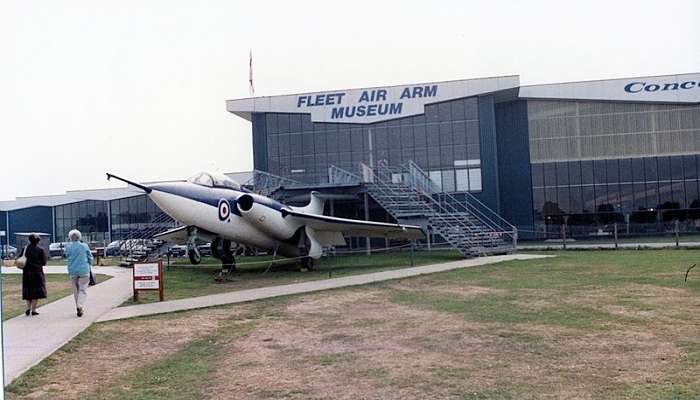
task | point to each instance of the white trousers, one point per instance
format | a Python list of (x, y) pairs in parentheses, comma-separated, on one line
[(79, 285)]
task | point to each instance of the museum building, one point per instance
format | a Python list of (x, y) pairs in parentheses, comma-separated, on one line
[(585, 154)]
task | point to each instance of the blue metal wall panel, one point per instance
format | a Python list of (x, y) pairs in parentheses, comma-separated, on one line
[(489, 156), (514, 164), (3, 227), (32, 219), (259, 142)]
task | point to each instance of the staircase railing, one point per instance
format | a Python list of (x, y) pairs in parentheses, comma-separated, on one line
[(468, 225), (265, 183), (420, 180), (340, 176)]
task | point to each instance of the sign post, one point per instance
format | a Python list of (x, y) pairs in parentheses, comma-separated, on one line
[(148, 276)]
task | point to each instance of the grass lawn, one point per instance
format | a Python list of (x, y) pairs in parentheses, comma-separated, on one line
[(583, 325), (184, 280), (57, 286)]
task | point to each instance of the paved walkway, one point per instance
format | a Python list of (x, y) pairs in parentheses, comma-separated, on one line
[(296, 288), (28, 340)]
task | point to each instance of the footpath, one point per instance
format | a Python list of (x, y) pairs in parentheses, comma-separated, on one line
[(28, 340)]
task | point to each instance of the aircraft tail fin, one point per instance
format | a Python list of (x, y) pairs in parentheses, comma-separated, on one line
[(315, 205)]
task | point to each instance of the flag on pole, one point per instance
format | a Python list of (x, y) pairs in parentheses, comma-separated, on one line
[(250, 74)]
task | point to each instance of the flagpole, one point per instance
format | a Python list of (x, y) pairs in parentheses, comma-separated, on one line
[(251, 88)]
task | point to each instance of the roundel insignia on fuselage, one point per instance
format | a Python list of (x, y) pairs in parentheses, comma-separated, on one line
[(224, 210)]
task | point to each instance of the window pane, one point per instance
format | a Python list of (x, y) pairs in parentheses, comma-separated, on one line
[(436, 177), (677, 168), (537, 200), (650, 171), (562, 174), (691, 194), (640, 197), (638, 170), (652, 194), (679, 194), (599, 171), (625, 170), (550, 174), (613, 171), (690, 167), (627, 197), (537, 175), (475, 180), (575, 173), (587, 172), (462, 180), (664, 168), (448, 180), (563, 198), (575, 204)]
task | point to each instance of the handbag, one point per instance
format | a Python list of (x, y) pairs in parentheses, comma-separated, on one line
[(22, 261)]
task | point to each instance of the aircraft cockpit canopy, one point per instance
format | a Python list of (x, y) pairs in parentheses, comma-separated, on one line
[(213, 180)]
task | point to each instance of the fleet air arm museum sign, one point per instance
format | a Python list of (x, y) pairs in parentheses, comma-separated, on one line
[(684, 88), (361, 106)]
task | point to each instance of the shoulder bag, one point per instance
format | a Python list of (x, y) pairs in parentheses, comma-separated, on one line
[(22, 261)]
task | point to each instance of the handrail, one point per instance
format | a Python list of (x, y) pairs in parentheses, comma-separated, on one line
[(337, 175), (422, 176), (443, 209), (266, 183)]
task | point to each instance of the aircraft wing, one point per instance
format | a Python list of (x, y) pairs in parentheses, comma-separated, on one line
[(354, 227), (179, 235)]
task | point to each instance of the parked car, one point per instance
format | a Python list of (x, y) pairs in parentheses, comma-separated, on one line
[(205, 249), (178, 250), (57, 249), (9, 251), (114, 249)]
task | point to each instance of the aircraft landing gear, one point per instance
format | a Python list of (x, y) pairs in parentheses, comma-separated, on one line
[(195, 255), (307, 264), (192, 250)]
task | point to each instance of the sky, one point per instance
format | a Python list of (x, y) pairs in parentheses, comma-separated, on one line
[(138, 88)]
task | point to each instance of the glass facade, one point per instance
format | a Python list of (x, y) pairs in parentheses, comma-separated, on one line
[(584, 130), (89, 217), (444, 142), (594, 163), (133, 215), (613, 188)]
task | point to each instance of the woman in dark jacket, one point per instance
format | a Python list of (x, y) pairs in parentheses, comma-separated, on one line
[(33, 281)]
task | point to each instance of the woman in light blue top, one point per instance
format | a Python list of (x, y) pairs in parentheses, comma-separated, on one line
[(79, 261)]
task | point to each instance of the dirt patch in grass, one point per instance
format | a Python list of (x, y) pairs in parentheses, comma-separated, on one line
[(325, 349), (359, 344), (106, 352)]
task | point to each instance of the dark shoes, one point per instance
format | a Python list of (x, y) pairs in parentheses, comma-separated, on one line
[(32, 312), (26, 312), (35, 313), (79, 311)]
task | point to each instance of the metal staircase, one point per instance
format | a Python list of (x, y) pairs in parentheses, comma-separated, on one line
[(267, 184), (410, 196), (138, 243)]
